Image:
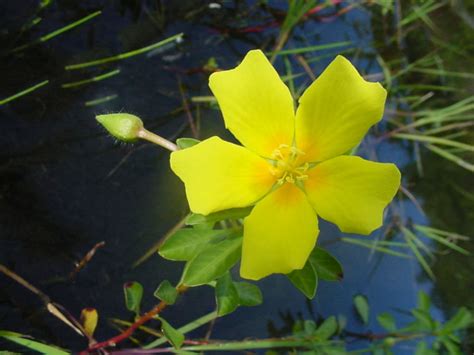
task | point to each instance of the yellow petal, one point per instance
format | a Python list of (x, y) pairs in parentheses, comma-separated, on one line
[(336, 111), (219, 175), (352, 192), (257, 106), (279, 234)]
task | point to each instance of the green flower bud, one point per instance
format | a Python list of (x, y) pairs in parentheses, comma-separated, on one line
[(122, 126)]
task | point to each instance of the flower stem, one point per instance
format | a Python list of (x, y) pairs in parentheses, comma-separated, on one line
[(154, 138)]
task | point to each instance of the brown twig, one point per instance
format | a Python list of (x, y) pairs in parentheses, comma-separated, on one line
[(413, 199), (81, 264), (209, 330), (55, 309), (130, 330), (155, 247), (305, 66), (184, 100)]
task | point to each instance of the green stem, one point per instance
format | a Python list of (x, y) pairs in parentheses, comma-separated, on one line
[(154, 138), (90, 80), (185, 329), (23, 92), (434, 140), (100, 100), (259, 344), (59, 31), (124, 55)]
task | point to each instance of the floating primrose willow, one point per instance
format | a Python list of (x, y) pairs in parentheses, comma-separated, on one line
[(291, 166)]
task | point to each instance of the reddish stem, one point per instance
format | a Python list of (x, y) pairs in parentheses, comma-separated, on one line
[(320, 7), (130, 330)]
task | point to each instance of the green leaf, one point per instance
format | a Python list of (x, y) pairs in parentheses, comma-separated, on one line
[(327, 328), (174, 336), (184, 143), (133, 296), (461, 320), (212, 262), (32, 344), (327, 267), (188, 242), (453, 348), (227, 297), (249, 294), (309, 327), (413, 327), (234, 213), (454, 338), (387, 321), (424, 302), (422, 349), (424, 319), (341, 323), (362, 307), (166, 292), (305, 280)]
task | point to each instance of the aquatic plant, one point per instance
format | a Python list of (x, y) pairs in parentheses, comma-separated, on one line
[(240, 214)]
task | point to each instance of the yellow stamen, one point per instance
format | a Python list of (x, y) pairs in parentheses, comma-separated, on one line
[(286, 166)]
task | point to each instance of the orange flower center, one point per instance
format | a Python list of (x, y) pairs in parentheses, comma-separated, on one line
[(286, 165)]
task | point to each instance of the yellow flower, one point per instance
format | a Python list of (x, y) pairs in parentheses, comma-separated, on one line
[(291, 165)]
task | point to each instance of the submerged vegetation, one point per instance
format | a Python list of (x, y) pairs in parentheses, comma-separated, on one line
[(63, 63)]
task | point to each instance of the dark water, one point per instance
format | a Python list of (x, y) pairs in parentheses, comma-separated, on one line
[(66, 185)]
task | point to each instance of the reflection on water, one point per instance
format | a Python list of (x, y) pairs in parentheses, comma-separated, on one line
[(65, 185)]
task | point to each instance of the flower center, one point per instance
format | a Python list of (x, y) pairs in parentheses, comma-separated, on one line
[(285, 165)]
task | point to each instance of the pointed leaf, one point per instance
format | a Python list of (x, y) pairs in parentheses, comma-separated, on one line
[(249, 294), (227, 297), (212, 262), (422, 349), (424, 319), (327, 329), (462, 319), (387, 321), (341, 323), (184, 142), (188, 242), (452, 347), (174, 336), (305, 280), (362, 307), (424, 302), (166, 292), (327, 267), (309, 327)]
